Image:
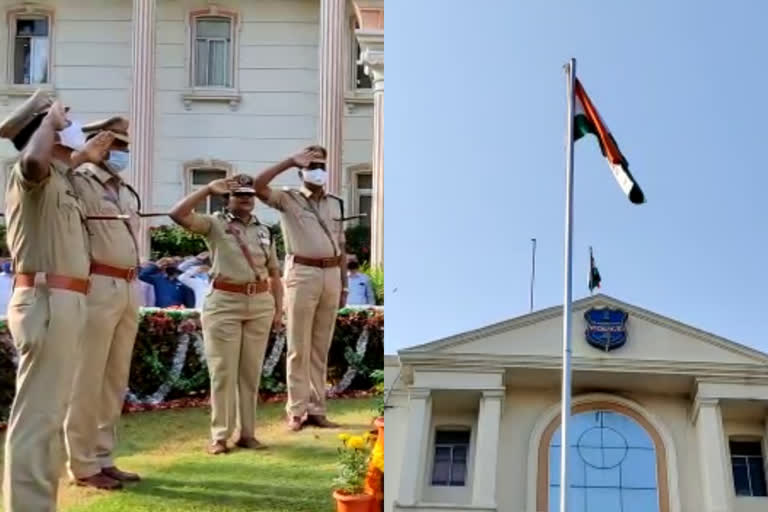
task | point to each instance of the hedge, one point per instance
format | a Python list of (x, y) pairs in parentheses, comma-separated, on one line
[(172, 240), (168, 361)]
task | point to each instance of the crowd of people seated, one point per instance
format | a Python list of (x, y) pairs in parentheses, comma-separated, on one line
[(176, 281)]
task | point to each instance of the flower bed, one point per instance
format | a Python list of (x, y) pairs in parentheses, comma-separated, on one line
[(169, 367)]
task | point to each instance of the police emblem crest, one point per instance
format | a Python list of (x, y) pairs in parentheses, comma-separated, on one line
[(606, 328)]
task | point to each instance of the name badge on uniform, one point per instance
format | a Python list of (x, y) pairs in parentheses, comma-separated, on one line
[(264, 239)]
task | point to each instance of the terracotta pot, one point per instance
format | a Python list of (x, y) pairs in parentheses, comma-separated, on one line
[(353, 502)]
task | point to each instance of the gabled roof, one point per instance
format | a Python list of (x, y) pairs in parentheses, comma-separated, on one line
[(511, 335)]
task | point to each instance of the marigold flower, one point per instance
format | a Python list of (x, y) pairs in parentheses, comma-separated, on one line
[(356, 442)]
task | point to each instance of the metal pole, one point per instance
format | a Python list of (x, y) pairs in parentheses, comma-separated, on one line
[(565, 412), (533, 269)]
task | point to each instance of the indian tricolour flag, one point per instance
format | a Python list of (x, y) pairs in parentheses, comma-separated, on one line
[(586, 121)]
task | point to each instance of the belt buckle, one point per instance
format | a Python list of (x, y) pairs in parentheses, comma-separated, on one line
[(250, 289), (131, 274)]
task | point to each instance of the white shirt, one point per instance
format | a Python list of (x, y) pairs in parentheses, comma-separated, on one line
[(6, 289), (199, 283)]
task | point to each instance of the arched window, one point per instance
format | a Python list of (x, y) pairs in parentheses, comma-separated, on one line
[(613, 464)]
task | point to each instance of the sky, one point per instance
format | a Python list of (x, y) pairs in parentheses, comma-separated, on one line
[(475, 163)]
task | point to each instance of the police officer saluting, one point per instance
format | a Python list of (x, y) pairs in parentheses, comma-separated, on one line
[(101, 375), (47, 312), (239, 310), (316, 287)]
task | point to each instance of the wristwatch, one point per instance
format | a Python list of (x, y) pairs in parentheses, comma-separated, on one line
[(345, 290)]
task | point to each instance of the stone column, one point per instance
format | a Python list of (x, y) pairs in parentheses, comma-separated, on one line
[(416, 446), (713, 461), (370, 35), (332, 59), (486, 453), (765, 445), (142, 119)]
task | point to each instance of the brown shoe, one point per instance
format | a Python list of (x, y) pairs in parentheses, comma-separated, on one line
[(218, 447), (121, 476), (295, 423), (321, 421), (99, 481), (250, 443)]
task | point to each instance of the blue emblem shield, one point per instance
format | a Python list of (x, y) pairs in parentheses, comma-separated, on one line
[(606, 328)]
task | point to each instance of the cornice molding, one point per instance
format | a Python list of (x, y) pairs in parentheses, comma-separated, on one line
[(698, 403), (725, 372), (419, 393)]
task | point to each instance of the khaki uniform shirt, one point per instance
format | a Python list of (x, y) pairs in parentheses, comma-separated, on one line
[(227, 258), (112, 242), (46, 225), (304, 234)]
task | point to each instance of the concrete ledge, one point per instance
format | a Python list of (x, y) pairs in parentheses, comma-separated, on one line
[(442, 507)]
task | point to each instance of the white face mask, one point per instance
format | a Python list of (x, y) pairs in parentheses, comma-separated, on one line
[(72, 136), (316, 177), (118, 161)]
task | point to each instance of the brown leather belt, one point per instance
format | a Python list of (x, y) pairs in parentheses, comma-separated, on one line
[(127, 274), (318, 262), (245, 289), (53, 281)]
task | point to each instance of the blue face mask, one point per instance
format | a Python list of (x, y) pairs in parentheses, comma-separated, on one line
[(118, 161)]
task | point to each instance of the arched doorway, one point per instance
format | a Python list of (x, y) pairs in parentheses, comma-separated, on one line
[(617, 462)]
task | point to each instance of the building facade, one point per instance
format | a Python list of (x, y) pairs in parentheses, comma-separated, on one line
[(211, 88), (666, 418)]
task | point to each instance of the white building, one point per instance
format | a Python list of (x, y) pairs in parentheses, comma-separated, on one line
[(675, 420), (211, 88)]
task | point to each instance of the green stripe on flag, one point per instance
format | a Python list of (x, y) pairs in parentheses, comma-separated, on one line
[(582, 127)]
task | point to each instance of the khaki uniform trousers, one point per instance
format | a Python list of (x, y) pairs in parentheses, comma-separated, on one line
[(236, 331), (311, 305), (101, 375), (47, 326)]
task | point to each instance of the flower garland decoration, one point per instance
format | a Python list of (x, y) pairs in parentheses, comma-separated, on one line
[(351, 373), (163, 366), (274, 354)]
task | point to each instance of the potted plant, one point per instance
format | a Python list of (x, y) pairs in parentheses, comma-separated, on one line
[(349, 484)]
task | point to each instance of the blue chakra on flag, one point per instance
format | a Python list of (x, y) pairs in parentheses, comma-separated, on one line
[(606, 328)]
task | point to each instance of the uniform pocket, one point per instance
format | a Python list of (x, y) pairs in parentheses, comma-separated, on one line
[(72, 211), (22, 297), (28, 318)]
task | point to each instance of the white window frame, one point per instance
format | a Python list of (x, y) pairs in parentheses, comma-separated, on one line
[(22, 12), (433, 452), (231, 94), (204, 165), (354, 97), (353, 61), (747, 439), (355, 193)]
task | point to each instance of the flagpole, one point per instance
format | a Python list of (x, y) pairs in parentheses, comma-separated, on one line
[(565, 412), (533, 268)]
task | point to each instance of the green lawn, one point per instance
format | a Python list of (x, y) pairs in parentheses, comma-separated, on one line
[(167, 449)]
